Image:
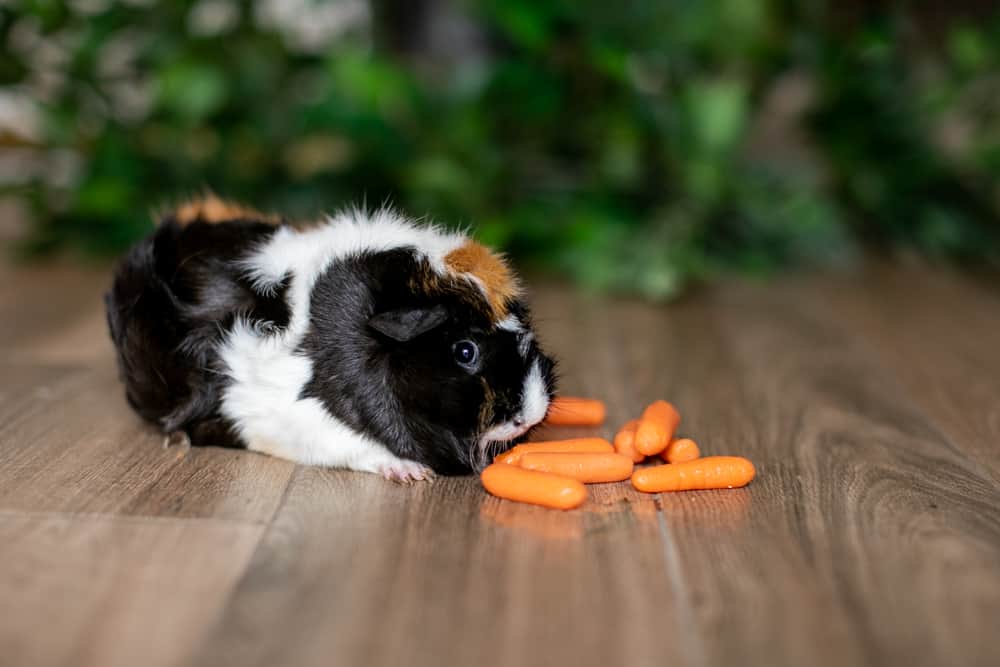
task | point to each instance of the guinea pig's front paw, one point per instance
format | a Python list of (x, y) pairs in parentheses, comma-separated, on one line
[(405, 472)]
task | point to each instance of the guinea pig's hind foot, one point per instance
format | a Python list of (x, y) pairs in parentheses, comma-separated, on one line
[(405, 472)]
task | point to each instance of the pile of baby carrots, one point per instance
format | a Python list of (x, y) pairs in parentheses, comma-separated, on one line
[(553, 473)]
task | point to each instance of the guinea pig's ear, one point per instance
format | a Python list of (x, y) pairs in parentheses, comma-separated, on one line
[(407, 323)]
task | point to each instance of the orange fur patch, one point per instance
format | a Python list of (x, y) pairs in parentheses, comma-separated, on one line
[(492, 272), (210, 208)]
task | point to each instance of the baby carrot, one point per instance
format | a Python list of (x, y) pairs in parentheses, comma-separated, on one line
[(588, 468), (534, 487), (681, 450), (656, 428), (625, 442), (711, 472), (570, 411), (578, 445)]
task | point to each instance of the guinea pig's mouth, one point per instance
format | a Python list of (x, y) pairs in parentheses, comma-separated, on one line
[(503, 433), (496, 439)]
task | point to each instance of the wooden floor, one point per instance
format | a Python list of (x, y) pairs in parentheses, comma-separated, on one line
[(870, 403)]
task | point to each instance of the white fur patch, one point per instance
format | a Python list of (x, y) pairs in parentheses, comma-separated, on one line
[(534, 397), (268, 376), (510, 323), (309, 252), (524, 343)]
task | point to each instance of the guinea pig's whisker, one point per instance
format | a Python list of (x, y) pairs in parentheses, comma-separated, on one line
[(484, 452)]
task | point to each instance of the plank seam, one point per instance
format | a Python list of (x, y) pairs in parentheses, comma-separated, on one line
[(691, 645), (132, 518)]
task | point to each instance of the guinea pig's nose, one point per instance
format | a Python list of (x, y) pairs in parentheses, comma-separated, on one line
[(518, 421)]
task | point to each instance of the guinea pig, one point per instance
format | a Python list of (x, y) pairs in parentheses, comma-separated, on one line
[(365, 341)]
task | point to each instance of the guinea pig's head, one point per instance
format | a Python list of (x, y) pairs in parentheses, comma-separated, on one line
[(460, 359)]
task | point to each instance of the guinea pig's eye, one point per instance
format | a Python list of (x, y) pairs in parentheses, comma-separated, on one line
[(466, 352)]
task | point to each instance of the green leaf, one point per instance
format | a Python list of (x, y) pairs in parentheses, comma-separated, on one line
[(102, 197), (716, 114), (192, 90), (968, 48)]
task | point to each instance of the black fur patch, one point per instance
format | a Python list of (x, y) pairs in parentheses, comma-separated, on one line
[(173, 296), (410, 394)]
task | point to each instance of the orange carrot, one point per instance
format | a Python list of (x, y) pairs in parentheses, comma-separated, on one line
[(681, 450), (570, 411), (711, 472), (588, 468), (625, 442), (656, 428), (534, 487), (577, 445)]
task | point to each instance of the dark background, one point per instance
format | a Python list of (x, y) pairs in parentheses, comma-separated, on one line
[(630, 145)]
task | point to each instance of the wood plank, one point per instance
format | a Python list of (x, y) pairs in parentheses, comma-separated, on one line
[(53, 312), (25, 384), (98, 456), (862, 511), (938, 332), (372, 573), (105, 591), (872, 535)]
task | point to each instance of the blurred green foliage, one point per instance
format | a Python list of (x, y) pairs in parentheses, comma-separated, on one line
[(633, 146)]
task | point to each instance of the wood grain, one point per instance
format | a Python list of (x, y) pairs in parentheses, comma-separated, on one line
[(104, 591), (53, 313), (857, 490), (740, 566), (870, 537), (938, 336), (379, 574), (98, 456)]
